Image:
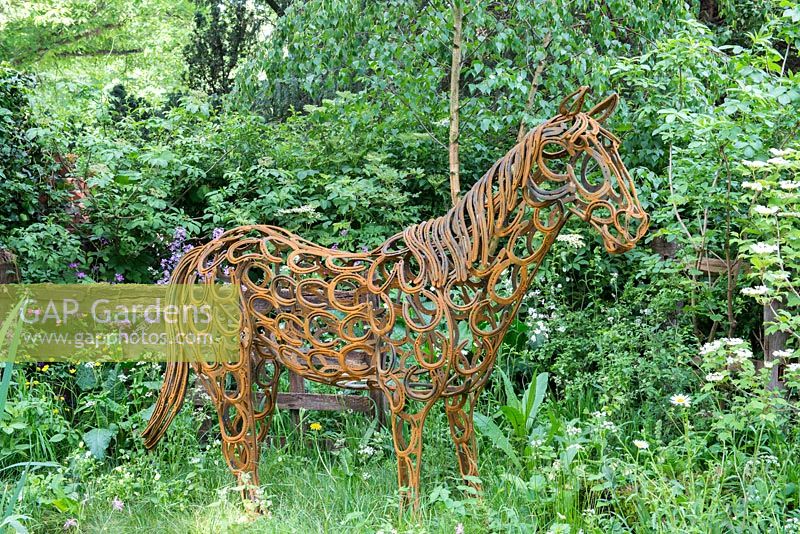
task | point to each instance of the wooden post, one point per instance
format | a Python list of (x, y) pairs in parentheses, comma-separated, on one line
[(773, 342), (297, 384), (381, 407), (9, 274)]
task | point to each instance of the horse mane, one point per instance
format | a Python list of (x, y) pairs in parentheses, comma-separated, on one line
[(464, 235)]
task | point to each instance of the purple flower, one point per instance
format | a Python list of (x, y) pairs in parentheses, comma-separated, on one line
[(117, 505), (335, 246), (364, 248), (460, 528), (119, 277), (81, 275), (73, 265), (343, 232), (217, 233), (180, 234), (71, 523)]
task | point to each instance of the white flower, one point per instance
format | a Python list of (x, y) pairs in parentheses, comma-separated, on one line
[(789, 185), (641, 444), (366, 450), (306, 209), (778, 161), (778, 152), (763, 248), (713, 346), (679, 399), (783, 353), (754, 164), (262, 76), (714, 377), (765, 210), (770, 364), (157, 476), (755, 291), (754, 186), (608, 425), (793, 367), (573, 431), (573, 240)]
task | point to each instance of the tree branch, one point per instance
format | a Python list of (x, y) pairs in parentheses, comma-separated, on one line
[(276, 7), (102, 52), (94, 32)]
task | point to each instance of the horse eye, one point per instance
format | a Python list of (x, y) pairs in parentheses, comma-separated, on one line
[(592, 176)]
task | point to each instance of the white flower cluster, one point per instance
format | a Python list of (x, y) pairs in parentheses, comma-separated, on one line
[(739, 356), (781, 152), (754, 164), (783, 353), (765, 210), (779, 162), (714, 377), (573, 431), (367, 451), (305, 209), (788, 185), (573, 240), (763, 248), (755, 291), (753, 186)]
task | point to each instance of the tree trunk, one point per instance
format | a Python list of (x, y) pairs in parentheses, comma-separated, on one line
[(534, 86), (773, 342), (455, 78)]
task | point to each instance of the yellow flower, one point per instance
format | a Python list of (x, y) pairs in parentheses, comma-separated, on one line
[(72, 370), (45, 368), (55, 410), (315, 427)]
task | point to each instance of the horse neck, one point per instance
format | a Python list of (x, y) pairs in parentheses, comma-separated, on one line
[(492, 226)]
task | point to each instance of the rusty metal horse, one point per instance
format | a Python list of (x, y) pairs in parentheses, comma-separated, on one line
[(422, 316)]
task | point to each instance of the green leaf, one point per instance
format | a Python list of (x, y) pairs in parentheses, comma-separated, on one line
[(489, 428), (98, 440)]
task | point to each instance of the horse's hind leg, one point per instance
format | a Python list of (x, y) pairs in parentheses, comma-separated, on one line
[(234, 398), (459, 409), (267, 374)]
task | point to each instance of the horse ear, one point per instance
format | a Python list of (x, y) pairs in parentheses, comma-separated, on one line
[(573, 103), (604, 109)]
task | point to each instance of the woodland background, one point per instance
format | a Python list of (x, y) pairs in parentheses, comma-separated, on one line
[(131, 130)]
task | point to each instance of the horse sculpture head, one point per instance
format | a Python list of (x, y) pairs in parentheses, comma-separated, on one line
[(577, 162)]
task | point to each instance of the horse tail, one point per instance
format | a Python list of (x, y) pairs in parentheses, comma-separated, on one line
[(176, 376), (170, 401)]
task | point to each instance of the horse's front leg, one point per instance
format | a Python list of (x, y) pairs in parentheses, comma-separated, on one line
[(408, 420), (459, 409)]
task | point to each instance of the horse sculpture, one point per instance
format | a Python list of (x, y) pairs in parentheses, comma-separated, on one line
[(422, 316)]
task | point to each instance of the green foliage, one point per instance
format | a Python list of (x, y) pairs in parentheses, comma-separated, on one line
[(24, 169), (223, 33)]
